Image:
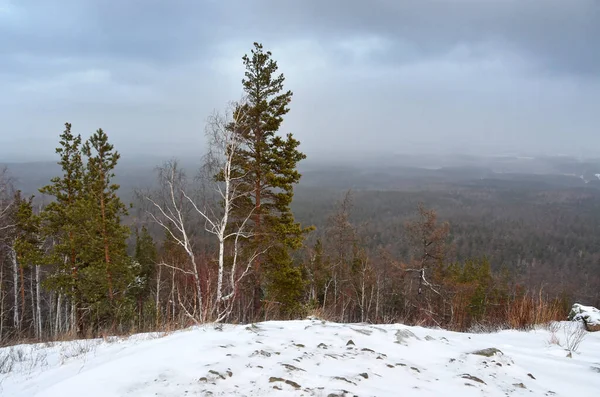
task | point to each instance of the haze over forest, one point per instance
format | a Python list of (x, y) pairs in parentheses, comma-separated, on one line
[(429, 76)]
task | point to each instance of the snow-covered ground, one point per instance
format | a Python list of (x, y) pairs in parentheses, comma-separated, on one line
[(306, 358)]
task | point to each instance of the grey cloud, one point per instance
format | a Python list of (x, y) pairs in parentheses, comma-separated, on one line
[(562, 35), (383, 73), (160, 31), (559, 35)]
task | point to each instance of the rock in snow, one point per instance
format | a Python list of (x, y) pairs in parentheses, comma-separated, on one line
[(284, 359), (588, 314)]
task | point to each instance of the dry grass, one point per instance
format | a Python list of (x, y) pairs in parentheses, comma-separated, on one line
[(526, 311), (321, 314)]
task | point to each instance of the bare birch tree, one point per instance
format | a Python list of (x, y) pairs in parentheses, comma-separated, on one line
[(222, 186), (6, 226), (171, 209), (225, 142), (6, 200)]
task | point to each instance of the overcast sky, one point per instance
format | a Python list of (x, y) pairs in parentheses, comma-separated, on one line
[(391, 75)]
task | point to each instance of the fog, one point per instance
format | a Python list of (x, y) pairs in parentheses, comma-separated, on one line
[(384, 76)]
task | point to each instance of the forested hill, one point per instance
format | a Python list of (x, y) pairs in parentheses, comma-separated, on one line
[(546, 226)]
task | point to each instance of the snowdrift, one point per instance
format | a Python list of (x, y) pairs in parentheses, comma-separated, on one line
[(307, 358)]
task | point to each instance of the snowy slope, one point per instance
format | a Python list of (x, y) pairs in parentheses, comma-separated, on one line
[(304, 358)]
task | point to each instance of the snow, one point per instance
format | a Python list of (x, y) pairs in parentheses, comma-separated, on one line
[(305, 358), (589, 314)]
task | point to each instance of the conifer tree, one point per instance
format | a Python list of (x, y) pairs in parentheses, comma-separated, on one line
[(62, 222), (29, 253), (269, 166), (83, 222), (145, 262), (109, 273), (145, 256)]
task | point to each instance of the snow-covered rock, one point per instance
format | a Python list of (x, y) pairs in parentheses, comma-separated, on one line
[(305, 358), (588, 314)]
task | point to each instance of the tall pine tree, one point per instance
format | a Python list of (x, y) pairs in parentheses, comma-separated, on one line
[(62, 223), (109, 273), (269, 166), (28, 246)]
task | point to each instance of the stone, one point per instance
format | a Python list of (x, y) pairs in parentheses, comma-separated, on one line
[(402, 335), (473, 378), (489, 352), (589, 315)]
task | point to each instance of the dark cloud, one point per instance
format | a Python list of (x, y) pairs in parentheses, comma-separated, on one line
[(415, 70), (158, 31), (558, 34)]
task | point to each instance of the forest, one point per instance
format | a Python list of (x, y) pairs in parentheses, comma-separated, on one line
[(246, 236)]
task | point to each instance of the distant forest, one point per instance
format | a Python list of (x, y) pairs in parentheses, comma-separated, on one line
[(545, 228), (547, 236)]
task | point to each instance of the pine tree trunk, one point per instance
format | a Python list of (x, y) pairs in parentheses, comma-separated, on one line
[(74, 270), (33, 312), (57, 324), (75, 318), (105, 241), (257, 225)]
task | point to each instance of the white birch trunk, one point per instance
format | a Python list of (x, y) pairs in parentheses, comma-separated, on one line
[(37, 300), (15, 268), (73, 318), (172, 296), (158, 311)]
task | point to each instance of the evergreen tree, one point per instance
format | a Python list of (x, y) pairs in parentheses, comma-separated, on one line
[(28, 245), (28, 241), (145, 256), (269, 166), (145, 259), (318, 273), (109, 273), (62, 222)]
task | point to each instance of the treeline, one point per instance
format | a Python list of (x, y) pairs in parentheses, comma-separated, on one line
[(544, 236), (350, 281), (228, 247)]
